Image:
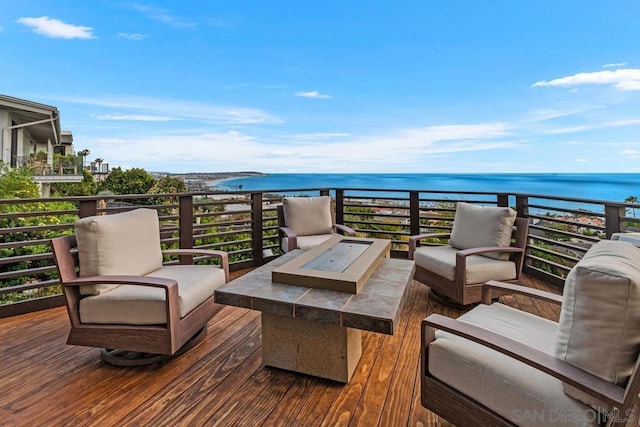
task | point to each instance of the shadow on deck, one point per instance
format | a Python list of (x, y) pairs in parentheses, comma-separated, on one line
[(220, 381)]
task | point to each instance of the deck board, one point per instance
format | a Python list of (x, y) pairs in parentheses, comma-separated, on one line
[(219, 382)]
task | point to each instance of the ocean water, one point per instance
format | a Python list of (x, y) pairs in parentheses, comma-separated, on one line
[(607, 187)]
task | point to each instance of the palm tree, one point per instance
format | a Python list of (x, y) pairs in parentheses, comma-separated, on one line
[(98, 161), (84, 153), (632, 199)]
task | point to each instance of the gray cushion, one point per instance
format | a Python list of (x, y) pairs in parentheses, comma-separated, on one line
[(138, 305), (126, 243), (441, 260), (480, 226), (600, 320), (518, 392), (308, 215)]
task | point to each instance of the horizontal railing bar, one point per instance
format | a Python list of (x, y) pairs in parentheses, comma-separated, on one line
[(564, 233), (566, 210), (23, 258), (22, 243), (28, 272), (546, 261), (27, 286), (13, 230), (483, 202), (558, 243), (551, 252), (562, 221), (223, 233), (38, 213)]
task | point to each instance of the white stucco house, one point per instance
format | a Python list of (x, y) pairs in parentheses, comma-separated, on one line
[(28, 129)]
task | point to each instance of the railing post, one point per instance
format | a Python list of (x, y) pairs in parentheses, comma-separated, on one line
[(324, 191), (186, 226), (88, 208), (256, 221), (612, 215), (503, 200), (522, 206), (414, 213), (339, 206)]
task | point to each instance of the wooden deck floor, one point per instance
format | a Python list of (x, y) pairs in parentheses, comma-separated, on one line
[(221, 381)]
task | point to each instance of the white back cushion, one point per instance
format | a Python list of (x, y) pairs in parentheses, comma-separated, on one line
[(479, 226), (126, 243), (600, 317), (308, 215)]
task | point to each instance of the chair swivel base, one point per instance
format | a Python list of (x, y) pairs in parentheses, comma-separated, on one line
[(445, 300), (135, 358)]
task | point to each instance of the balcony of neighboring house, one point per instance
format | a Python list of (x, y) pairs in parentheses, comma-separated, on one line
[(99, 169), (30, 136)]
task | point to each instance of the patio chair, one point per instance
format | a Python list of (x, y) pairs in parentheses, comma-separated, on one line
[(121, 297), (486, 243), (499, 366), (305, 222)]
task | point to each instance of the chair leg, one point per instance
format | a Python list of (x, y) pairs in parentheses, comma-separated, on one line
[(135, 358)]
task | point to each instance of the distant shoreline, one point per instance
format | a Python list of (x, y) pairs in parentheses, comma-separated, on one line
[(206, 181)]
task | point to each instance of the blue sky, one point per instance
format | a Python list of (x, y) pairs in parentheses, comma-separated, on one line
[(335, 86)]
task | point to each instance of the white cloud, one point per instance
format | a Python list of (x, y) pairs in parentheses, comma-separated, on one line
[(404, 149), (614, 65), (55, 28), (134, 36), (582, 128), (135, 117), (177, 109), (629, 152), (623, 79), (161, 15), (312, 94), (542, 114), (316, 136), (581, 160)]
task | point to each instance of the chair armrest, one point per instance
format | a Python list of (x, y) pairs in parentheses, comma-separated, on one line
[(154, 282), (223, 256), (576, 377), (509, 288), (485, 249), (292, 238), (343, 229), (414, 241), (172, 300)]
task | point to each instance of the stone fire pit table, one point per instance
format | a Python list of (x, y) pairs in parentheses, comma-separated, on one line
[(317, 331)]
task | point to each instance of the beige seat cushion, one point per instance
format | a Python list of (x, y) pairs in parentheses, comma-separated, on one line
[(308, 216), (600, 318), (480, 226), (138, 305), (518, 392), (441, 260), (126, 243), (306, 242)]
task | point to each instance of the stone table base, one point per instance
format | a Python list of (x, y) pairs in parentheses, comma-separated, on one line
[(315, 348)]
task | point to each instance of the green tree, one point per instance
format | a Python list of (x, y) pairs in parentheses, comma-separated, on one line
[(17, 183), (168, 184), (130, 181), (87, 187)]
